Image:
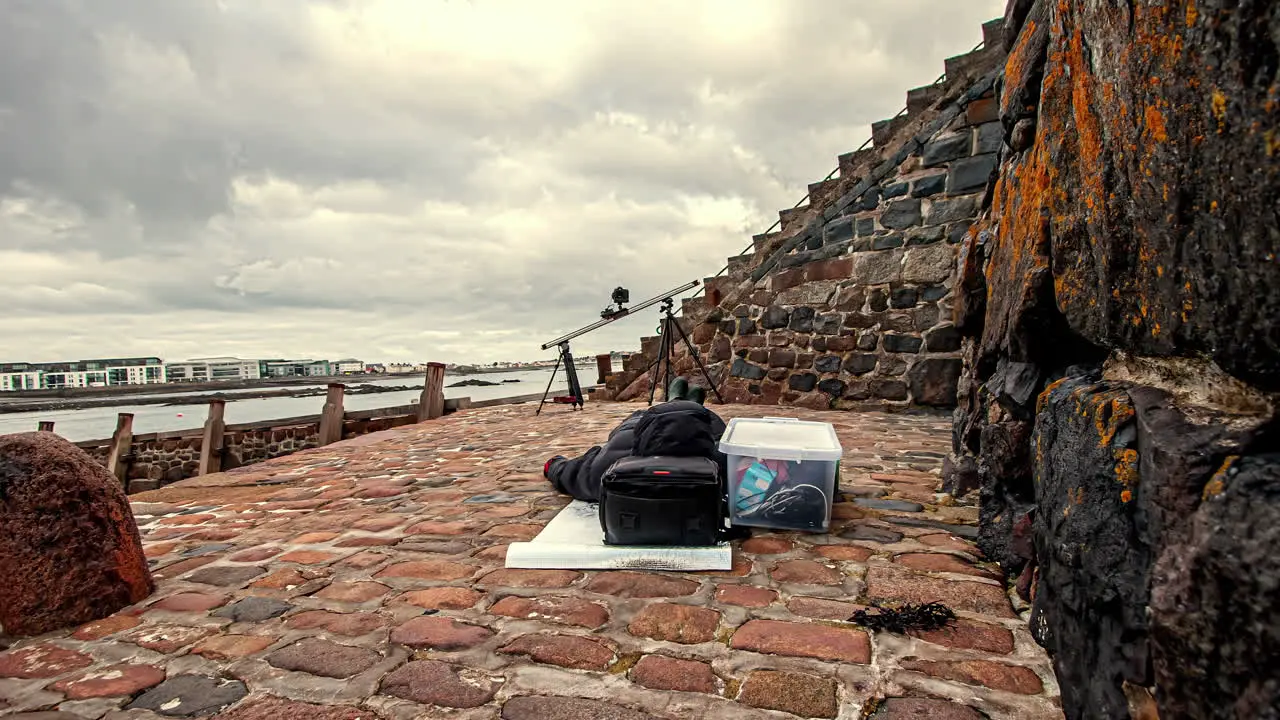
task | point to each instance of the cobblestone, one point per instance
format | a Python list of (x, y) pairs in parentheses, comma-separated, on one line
[(369, 573)]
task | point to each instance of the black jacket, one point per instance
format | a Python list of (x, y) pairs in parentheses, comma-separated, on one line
[(679, 428)]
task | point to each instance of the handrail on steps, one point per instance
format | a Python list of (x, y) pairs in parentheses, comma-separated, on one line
[(703, 286)]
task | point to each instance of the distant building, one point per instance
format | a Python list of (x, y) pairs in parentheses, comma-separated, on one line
[(376, 369), (401, 368), (82, 373), (213, 369), (349, 366), (295, 368)]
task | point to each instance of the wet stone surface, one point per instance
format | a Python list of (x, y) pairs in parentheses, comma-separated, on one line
[(369, 574)]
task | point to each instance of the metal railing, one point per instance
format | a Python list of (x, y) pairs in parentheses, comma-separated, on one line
[(776, 223)]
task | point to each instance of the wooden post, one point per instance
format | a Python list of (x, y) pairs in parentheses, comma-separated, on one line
[(604, 364), (211, 443), (331, 416), (431, 404), (45, 426), (121, 444)]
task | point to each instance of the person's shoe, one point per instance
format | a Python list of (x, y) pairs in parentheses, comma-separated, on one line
[(697, 394), (678, 389)]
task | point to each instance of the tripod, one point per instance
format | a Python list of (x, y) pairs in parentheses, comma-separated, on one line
[(575, 389), (662, 366)]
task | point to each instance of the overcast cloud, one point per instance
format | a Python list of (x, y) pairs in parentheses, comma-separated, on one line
[(413, 180)]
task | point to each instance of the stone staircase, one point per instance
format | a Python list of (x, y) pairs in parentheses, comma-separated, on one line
[(883, 152)]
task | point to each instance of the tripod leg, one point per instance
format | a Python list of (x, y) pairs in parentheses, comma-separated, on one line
[(571, 370), (546, 392), (696, 358), (657, 367)]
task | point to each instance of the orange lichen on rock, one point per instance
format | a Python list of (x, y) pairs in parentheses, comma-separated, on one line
[(1218, 482), (1127, 468), (1155, 124)]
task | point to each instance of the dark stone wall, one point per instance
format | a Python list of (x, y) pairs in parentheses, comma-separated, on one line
[(1119, 302)]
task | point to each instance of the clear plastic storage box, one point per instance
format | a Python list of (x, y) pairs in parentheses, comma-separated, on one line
[(782, 472)]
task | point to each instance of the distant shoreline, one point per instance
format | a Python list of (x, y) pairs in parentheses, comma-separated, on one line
[(78, 398)]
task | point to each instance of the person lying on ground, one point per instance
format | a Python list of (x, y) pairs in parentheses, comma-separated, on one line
[(680, 427)]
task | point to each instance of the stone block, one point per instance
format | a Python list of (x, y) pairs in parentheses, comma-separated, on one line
[(841, 343), (910, 708), (832, 386), (888, 389), (570, 651), (70, 551), (775, 317), (984, 110), (795, 693), (926, 235), (782, 358), (803, 382), (957, 231), (833, 269), (659, 672), (946, 148), (838, 230), (827, 363), (434, 683), (827, 323), (903, 297), (896, 343), (860, 363), (802, 318), (926, 316), (942, 339), (970, 174), (934, 381), (803, 640), (928, 185), (888, 242), (901, 214), (878, 267), (864, 226), (683, 624), (870, 200), (990, 138), (954, 209), (895, 190), (928, 264), (758, 355), (868, 340), (878, 300)]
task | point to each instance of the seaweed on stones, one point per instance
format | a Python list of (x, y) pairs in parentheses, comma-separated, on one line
[(930, 616)]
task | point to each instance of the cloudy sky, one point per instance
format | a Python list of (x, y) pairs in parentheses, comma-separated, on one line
[(413, 180)]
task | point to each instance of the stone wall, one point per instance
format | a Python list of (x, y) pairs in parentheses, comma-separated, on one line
[(1119, 301), (158, 459), (849, 304)]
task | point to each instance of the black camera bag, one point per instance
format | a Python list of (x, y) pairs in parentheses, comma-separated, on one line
[(662, 500)]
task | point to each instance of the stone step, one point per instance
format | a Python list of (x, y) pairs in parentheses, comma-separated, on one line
[(852, 164), (739, 264), (922, 99), (764, 240), (973, 63), (883, 132), (993, 33), (689, 306), (792, 216), (821, 192)]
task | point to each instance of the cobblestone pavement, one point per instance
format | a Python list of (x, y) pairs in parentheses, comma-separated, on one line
[(366, 580)]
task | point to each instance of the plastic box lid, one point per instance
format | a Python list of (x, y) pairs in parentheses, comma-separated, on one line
[(781, 439)]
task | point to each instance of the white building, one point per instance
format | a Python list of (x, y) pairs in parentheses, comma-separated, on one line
[(82, 373), (213, 369), (348, 366)]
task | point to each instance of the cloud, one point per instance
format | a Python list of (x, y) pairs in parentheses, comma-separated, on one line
[(413, 179)]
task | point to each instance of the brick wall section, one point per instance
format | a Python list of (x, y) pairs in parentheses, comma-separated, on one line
[(850, 305)]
